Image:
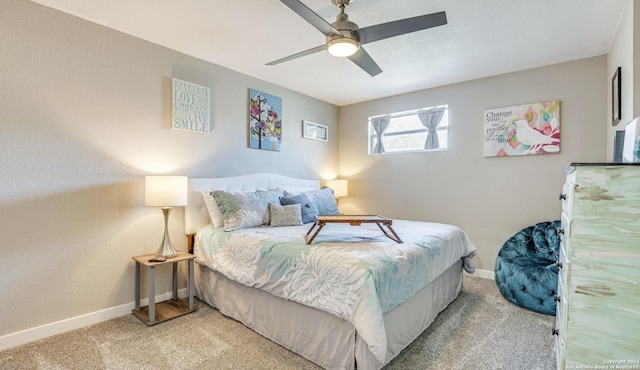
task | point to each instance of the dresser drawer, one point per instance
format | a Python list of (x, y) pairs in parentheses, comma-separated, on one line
[(563, 275), (562, 253), (561, 304), (566, 236), (566, 197)]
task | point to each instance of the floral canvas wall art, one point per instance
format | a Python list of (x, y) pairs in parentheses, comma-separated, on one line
[(522, 130), (265, 121)]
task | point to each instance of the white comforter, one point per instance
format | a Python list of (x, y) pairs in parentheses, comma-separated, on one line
[(354, 272)]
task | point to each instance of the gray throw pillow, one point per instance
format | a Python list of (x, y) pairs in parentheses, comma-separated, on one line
[(288, 215)]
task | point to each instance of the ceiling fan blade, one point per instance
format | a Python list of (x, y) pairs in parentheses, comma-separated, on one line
[(298, 55), (310, 16), (400, 27), (363, 60)]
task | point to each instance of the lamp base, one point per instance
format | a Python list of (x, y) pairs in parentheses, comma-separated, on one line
[(166, 248)]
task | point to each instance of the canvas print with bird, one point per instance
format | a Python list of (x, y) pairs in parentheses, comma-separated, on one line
[(526, 129)]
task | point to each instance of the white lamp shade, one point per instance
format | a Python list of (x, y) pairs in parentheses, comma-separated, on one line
[(340, 187), (165, 191)]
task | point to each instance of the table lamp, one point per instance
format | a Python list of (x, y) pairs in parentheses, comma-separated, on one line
[(340, 187), (165, 192)]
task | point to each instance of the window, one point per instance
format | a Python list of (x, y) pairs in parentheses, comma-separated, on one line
[(409, 131)]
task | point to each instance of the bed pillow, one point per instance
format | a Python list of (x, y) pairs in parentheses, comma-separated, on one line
[(308, 209), (293, 190), (245, 210), (212, 209), (324, 200), (289, 215)]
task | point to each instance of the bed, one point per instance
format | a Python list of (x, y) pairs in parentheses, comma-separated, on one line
[(270, 280)]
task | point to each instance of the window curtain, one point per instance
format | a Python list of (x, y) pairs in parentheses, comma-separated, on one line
[(430, 119), (379, 125)]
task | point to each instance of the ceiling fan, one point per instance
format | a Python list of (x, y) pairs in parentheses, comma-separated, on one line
[(345, 38)]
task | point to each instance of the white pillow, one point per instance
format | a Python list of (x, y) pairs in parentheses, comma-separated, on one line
[(217, 219)]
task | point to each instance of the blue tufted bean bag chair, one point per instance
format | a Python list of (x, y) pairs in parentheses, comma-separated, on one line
[(525, 270)]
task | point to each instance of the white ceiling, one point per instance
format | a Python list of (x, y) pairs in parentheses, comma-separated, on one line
[(482, 38)]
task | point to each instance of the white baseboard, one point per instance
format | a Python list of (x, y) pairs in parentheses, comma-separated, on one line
[(47, 330), (485, 274)]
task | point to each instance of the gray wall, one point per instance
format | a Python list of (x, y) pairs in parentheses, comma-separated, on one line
[(491, 198), (84, 115)]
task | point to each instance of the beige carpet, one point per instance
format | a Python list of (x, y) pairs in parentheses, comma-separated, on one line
[(479, 330)]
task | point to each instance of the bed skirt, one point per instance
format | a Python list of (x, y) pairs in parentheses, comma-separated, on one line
[(318, 336)]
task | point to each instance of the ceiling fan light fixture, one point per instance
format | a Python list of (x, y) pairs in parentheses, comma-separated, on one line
[(342, 47)]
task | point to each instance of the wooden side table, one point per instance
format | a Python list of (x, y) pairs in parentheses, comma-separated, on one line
[(163, 311)]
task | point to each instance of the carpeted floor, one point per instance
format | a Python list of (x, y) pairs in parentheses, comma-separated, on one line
[(479, 330)]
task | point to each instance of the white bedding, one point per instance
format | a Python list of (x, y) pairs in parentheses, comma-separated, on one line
[(355, 273)]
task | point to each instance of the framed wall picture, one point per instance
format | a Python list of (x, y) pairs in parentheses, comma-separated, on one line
[(616, 91), (315, 131), (265, 121), (527, 129), (191, 108)]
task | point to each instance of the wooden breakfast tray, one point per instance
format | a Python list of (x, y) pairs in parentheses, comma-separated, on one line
[(353, 220)]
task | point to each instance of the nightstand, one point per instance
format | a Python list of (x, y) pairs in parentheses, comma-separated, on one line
[(169, 309)]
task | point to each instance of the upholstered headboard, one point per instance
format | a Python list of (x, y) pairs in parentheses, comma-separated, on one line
[(195, 213)]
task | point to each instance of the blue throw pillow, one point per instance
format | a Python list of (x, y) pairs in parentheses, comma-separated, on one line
[(308, 209), (325, 200)]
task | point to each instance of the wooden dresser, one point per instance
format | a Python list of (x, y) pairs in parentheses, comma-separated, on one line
[(598, 299)]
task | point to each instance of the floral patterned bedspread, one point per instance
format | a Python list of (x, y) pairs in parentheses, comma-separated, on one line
[(354, 272)]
